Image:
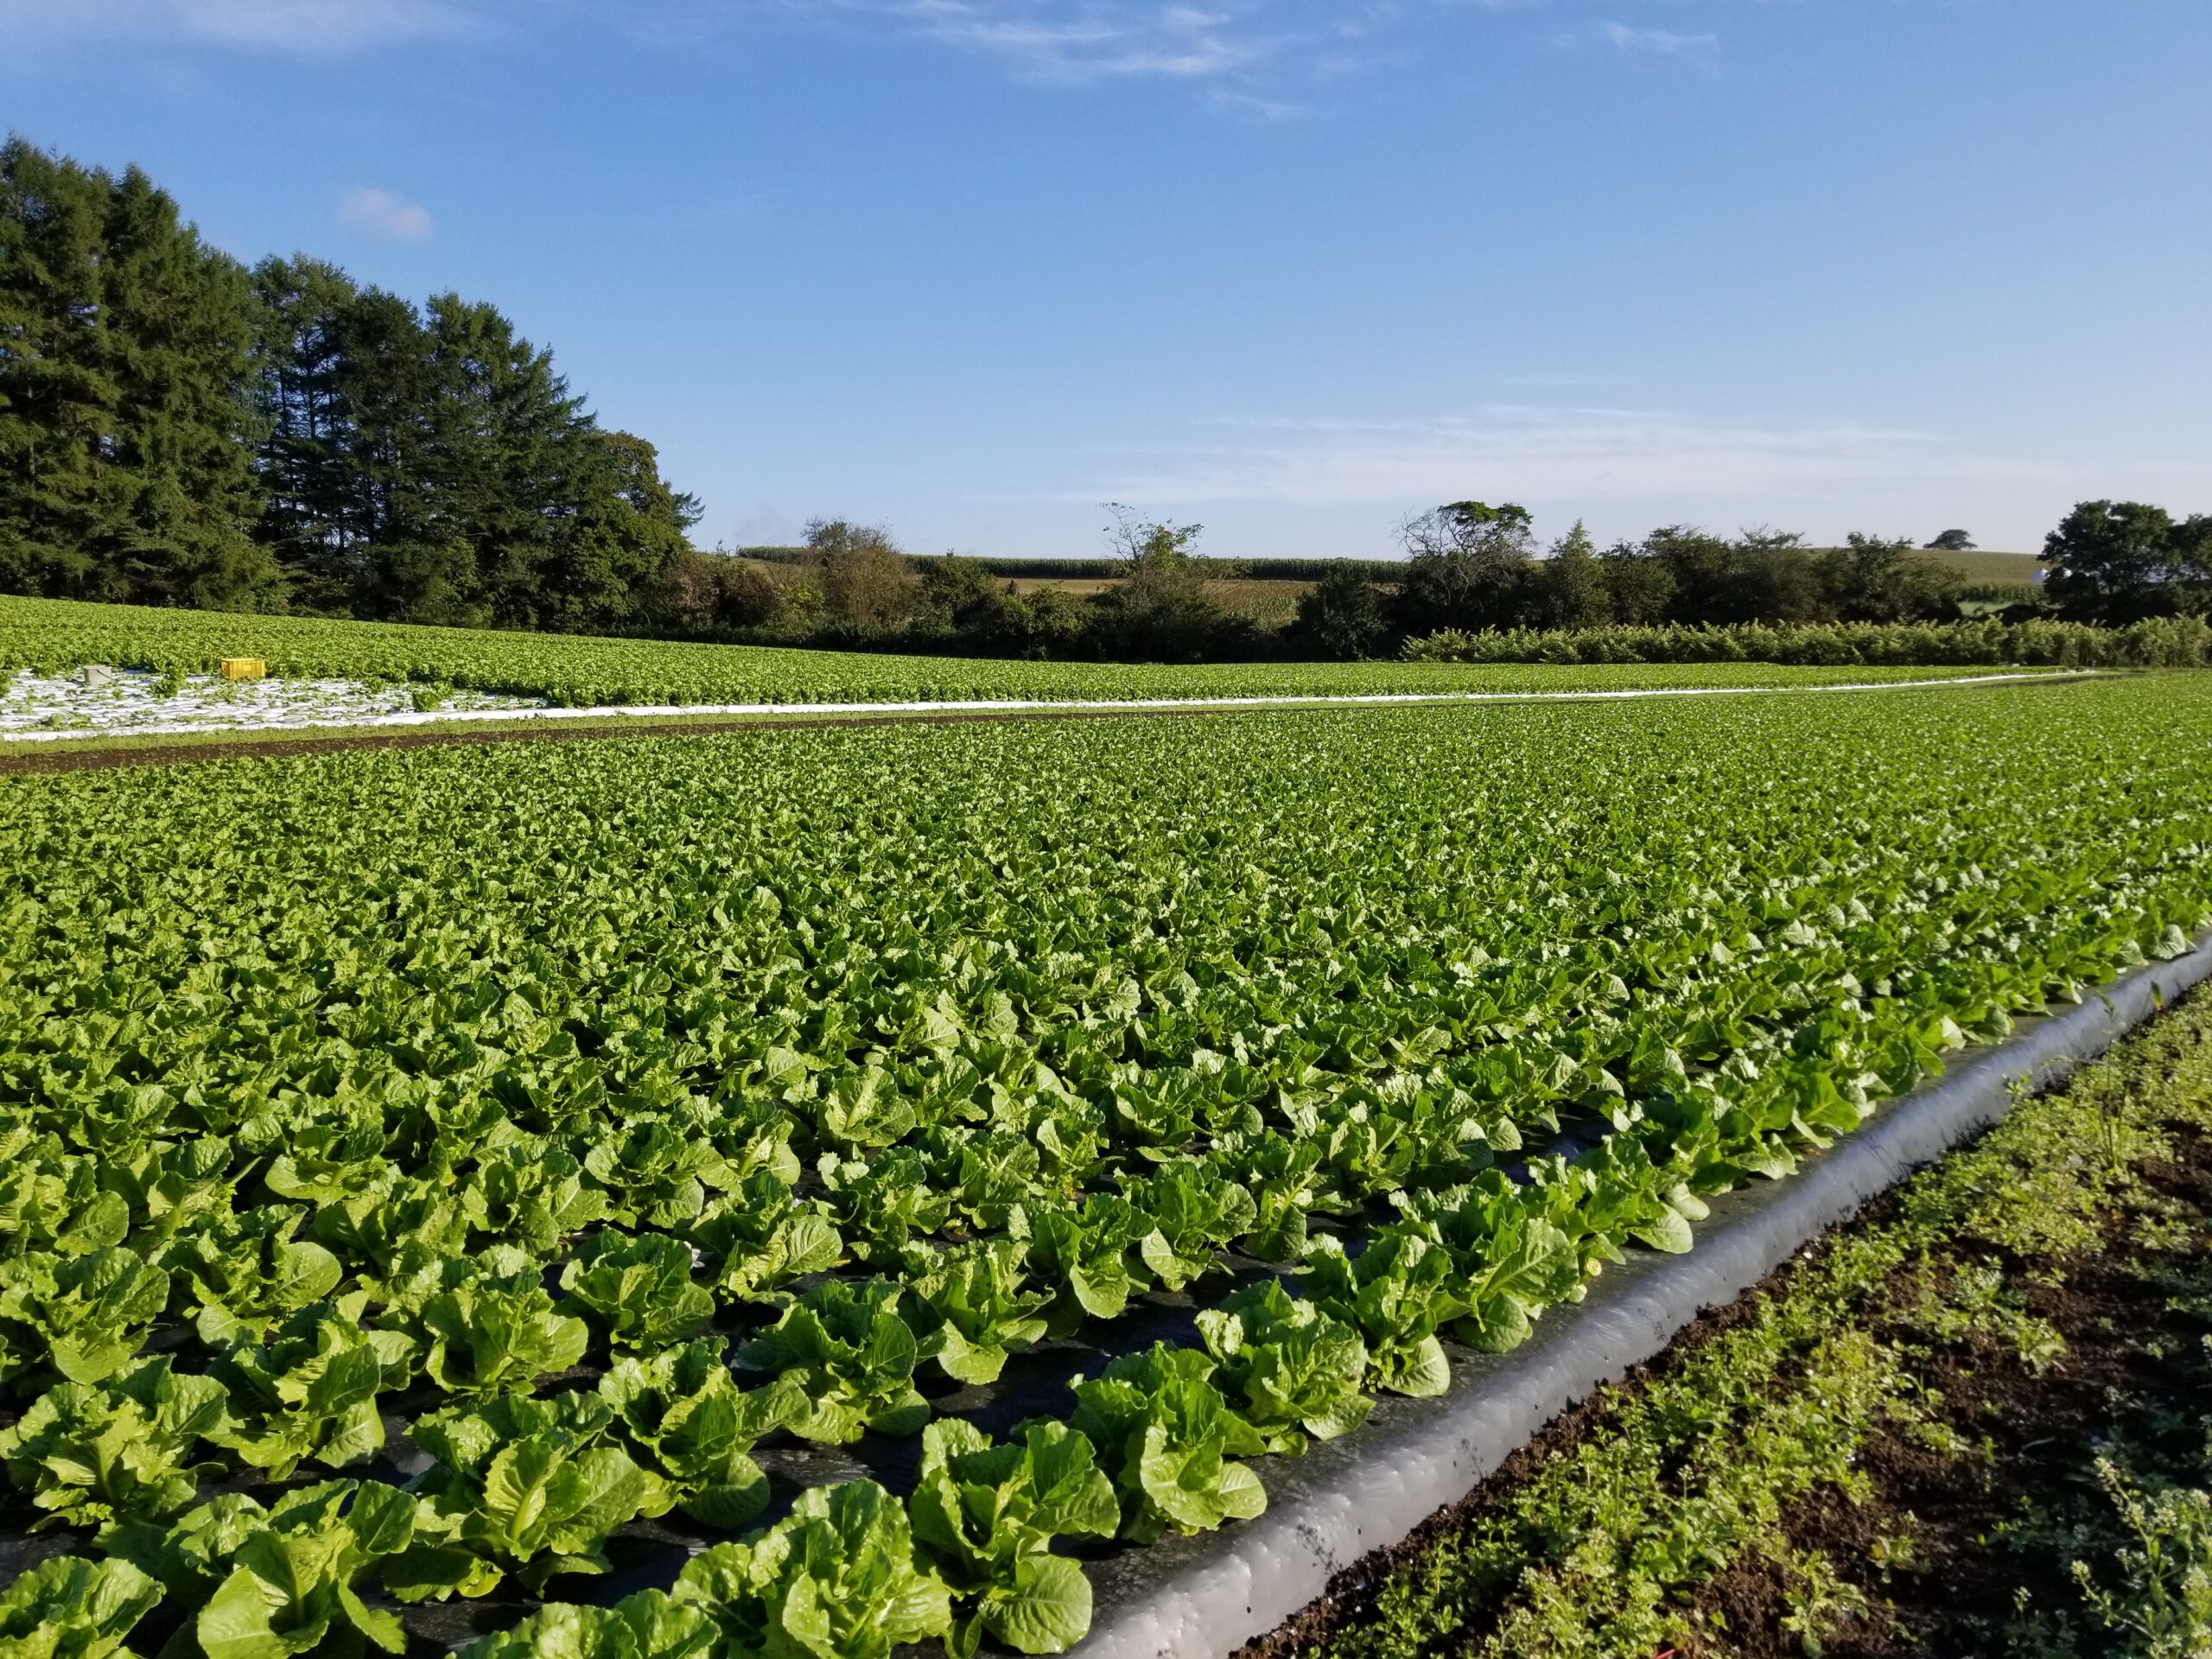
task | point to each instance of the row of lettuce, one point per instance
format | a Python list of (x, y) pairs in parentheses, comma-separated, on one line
[(1885, 1449), (391, 1111), (55, 636)]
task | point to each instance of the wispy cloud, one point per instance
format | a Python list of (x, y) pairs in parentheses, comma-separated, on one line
[(1091, 41), (1530, 453), (381, 212), (278, 25), (1700, 51), (1255, 59)]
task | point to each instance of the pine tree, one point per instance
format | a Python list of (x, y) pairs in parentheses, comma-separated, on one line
[(57, 398), (125, 437), (509, 447), (306, 456), (179, 327), (174, 431), (1575, 592)]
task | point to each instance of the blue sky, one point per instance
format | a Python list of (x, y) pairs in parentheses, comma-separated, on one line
[(971, 268)]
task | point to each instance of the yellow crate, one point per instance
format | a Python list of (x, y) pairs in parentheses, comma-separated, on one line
[(242, 668)]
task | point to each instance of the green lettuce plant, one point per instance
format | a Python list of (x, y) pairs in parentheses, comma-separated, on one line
[(973, 1308), (758, 1237), (1085, 1254), (1397, 1293), (1510, 1262), (646, 1625), (846, 1346), (83, 1316), (834, 1580), (524, 1487), (53, 1201), (1289, 1368), (683, 1412), (310, 1390), (1195, 1212), (985, 1516), (246, 1271), (486, 1323), (1167, 1439), (97, 1452), (69, 1608), (292, 1585), (638, 1291)]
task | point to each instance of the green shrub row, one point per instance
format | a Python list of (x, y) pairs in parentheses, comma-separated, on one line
[(2158, 642)]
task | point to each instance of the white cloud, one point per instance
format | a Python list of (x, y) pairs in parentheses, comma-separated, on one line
[(1700, 51), (280, 25), (1084, 41), (1534, 453), (382, 213), (1253, 56)]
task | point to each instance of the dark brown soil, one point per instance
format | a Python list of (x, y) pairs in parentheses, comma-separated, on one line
[(2134, 1366), (1352, 1593)]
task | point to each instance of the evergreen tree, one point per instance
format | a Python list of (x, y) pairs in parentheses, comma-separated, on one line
[(1574, 594), (125, 436), (306, 464), (511, 456)]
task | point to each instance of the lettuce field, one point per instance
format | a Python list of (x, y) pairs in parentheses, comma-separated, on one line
[(799, 1194), (54, 637)]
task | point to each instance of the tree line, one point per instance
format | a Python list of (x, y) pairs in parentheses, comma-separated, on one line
[(178, 428), (1471, 571)]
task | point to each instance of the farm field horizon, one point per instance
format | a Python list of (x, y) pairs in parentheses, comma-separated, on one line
[(967, 828)]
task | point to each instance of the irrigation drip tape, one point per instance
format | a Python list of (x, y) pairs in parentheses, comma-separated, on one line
[(1210, 1594)]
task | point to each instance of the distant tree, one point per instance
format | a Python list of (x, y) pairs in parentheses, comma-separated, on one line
[(1572, 589), (1467, 567), (309, 522), (513, 458), (865, 582), (1639, 585), (712, 595), (1049, 622), (2119, 562), (126, 441), (606, 561), (174, 431), (1703, 571), (1341, 616), (1764, 575), (1877, 579), (1159, 609), (1951, 540), (958, 589)]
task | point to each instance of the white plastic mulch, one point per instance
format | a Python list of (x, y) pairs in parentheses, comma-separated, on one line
[(35, 709), (131, 700)]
